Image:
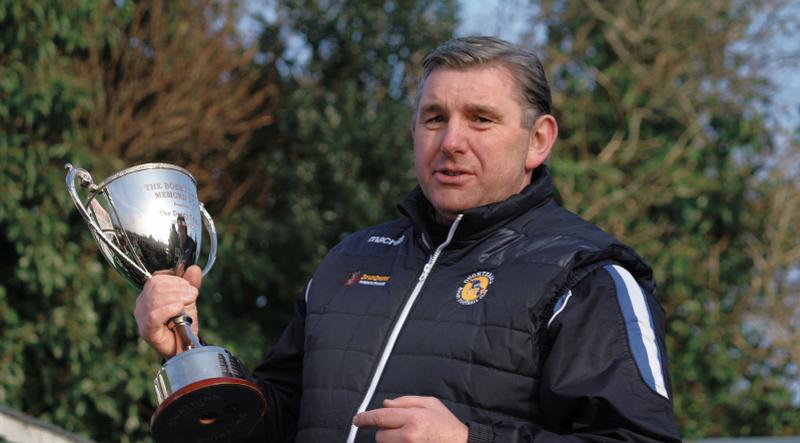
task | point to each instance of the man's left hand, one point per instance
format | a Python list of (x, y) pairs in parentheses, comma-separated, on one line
[(413, 419)]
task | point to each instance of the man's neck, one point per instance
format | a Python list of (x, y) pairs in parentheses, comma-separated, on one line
[(442, 219)]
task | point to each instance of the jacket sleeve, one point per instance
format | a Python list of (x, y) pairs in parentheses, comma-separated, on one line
[(605, 377), (279, 376)]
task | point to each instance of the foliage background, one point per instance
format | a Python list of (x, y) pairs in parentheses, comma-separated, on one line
[(297, 131)]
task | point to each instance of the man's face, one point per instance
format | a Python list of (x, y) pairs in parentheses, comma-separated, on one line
[(470, 146), (181, 226)]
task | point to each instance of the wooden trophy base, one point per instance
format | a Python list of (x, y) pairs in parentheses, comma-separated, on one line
[(220, 409)]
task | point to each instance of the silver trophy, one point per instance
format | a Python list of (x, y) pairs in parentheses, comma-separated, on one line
[(148, 220)]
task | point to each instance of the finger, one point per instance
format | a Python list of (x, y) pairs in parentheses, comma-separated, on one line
[(165, 290), (165, 283), (194, 275), (380, 418), (390, 436), (412, 401), (158, 318), (196, 327), (152, 302)]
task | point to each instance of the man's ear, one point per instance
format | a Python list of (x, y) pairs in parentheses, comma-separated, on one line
[(543, 136)]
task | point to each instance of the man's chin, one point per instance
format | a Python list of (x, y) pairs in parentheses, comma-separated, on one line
[(450, 202)]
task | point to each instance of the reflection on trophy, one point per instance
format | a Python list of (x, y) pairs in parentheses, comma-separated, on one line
[(147, 220)]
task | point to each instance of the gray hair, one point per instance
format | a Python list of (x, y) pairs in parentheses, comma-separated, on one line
[(470, 52)]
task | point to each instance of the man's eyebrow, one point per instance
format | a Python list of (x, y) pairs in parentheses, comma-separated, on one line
[(483, 109), (435, 107), (431, 107)]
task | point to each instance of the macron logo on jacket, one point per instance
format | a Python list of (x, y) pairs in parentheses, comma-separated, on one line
[(386, 240)]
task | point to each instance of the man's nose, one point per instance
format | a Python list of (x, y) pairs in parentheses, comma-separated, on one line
[(453, 139)]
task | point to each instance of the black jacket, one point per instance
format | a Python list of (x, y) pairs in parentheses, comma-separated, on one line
[(519, 318)]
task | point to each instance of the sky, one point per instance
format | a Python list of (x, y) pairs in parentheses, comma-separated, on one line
[(495, 17)]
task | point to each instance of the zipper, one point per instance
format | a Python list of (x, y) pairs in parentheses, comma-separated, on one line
[(401, 319)]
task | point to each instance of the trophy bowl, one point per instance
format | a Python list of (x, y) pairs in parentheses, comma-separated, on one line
[(147, 220)]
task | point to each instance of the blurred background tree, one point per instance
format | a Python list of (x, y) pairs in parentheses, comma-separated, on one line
[(103, 85), (667, 141), (294, 117), (68, 352)]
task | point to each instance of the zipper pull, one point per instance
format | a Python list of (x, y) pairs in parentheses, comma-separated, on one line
[(425, 271)]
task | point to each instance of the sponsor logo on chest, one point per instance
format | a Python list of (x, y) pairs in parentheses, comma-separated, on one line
[(360, 278)]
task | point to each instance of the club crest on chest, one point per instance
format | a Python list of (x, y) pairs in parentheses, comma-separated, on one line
[(474, 288)]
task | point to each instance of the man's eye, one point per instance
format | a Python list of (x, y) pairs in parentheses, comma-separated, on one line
[(481, 119), (434, 119)]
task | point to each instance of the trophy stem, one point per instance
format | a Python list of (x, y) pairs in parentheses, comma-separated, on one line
[(181, 325)]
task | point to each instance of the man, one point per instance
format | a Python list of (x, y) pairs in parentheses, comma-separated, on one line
[(488, 313), (181, 246)]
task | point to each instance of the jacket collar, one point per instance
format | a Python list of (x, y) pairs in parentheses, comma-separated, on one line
[(478, 222)]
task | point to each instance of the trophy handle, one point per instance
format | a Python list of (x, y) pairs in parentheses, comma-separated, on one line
[(86, 181), (208, 222)]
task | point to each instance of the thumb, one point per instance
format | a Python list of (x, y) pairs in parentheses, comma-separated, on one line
[(194, 275)]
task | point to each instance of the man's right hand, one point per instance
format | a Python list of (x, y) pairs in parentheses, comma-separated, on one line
[(162, 298)]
